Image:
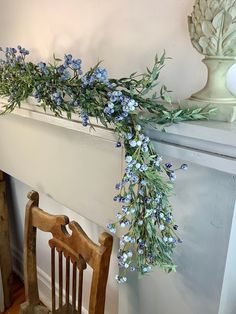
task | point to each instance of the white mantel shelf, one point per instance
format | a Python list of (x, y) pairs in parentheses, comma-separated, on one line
[(34, 112), (220, 135), (207, 143)]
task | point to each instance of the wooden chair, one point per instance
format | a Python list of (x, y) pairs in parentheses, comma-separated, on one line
[(5, 252), (78, 251)]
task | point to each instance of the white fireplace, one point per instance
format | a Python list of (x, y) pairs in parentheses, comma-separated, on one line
[(77, 168)]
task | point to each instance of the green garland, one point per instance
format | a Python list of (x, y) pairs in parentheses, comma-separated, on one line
[(149, 231)]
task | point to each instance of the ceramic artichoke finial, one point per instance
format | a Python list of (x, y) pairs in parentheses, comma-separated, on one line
[(212, 27)]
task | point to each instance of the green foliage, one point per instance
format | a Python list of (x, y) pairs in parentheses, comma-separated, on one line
[(127, 104)]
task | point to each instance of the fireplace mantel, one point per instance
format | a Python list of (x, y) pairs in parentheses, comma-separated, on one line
[(78, 167), (213, 139)]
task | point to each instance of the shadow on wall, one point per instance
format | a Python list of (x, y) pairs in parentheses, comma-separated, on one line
[(16, 219)]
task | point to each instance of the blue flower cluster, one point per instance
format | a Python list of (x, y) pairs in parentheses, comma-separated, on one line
[(57, 98), (43, 68), (85, 118), (145, 198), (99, 75), (14, 56), (119, 106), (74, 64), (22, 51)]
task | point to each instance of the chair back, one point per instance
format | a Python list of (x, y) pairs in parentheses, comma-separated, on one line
[(77, 250)]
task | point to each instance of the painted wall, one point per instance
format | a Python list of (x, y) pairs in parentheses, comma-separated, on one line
[(126, 35)]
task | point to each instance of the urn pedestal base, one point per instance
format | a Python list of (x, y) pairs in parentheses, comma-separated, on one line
[(215, 93)]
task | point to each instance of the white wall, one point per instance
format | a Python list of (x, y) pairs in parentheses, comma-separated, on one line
[(125, 34)]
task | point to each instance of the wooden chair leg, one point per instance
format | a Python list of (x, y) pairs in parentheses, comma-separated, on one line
[(26, 308), (5, 253)]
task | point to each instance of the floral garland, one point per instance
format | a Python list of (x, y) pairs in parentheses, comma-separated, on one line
[(149, 231)]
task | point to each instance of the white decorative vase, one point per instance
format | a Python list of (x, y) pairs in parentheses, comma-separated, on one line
[(212, 28), (216, 89)]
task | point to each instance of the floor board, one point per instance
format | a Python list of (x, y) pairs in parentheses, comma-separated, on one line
[(18, 296)]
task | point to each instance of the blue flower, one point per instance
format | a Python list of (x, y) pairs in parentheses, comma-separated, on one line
[(124, 223), (109, 111), (101, 75), (139, 143), (147, 200), (129, 136), (143, 182), (120, 279), (128, 159), (111, 228), (125, 209), (110, 105), (172, 175), (119, 118), (57, 98), (129, 253), (168, 165), (140, 222), (65, 75), (132, 143), (75, 103), (76, 64), (85, 118), (23, 51), (141, 243), (118, 186), (144, 167), (67, 60), (144, 148), (118, 216), (134, 179), (161, 215), (162, 227), (184, 167), (43, 68), (165, 239)]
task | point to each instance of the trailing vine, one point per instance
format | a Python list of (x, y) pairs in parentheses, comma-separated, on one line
[(149, 230)]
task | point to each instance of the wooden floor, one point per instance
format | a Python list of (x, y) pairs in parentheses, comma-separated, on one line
[(18, 296)]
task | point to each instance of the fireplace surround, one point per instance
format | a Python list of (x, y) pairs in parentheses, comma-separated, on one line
[(78, 168)]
